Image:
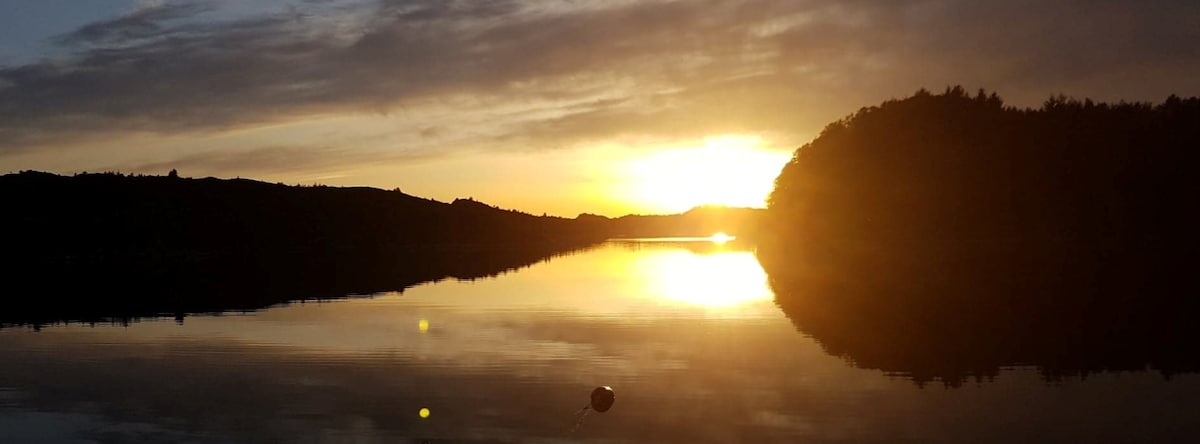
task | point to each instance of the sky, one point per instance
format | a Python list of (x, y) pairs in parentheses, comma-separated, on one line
[(558, 107)]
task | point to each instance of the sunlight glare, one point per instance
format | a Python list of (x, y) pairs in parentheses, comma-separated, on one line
[(728, 170), (721, 280), (721, 237)]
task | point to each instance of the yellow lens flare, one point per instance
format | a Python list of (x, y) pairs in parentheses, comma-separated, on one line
[(423, 413)]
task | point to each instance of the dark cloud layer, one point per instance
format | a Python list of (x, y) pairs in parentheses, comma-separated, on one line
[(270, 158), (647, 68), (139, 24)]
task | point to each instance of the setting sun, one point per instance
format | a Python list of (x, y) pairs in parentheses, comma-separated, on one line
[(321, 220), (727, 170)]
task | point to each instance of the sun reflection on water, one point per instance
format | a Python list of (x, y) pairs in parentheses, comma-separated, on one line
[(719, 280)]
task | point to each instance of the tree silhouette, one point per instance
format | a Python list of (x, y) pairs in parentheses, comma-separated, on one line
[(955, 226)]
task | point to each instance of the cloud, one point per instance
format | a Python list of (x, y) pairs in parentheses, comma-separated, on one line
[(141, 23), (547, 74), (267, 160)]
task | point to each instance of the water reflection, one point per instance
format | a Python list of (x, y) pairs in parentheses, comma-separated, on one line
[(126, 294), (971, 324), (492, 360), (509, 359), (725, 279)]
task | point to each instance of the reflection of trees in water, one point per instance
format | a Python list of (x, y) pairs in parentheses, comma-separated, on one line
[(115, 291), (946, 236), (974, 332), (97, 246)]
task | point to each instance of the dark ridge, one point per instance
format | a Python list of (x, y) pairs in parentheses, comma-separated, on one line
[(101, 246), (946, 236)]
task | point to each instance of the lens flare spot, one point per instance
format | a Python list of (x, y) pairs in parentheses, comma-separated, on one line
[(423, 326), (423, 413)]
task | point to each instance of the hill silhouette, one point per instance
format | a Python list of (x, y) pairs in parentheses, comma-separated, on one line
[(945, 236), (96, 246)]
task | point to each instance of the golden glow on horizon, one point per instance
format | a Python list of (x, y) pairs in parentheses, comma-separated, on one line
[(731, 170), (725, 279), (612, 178)]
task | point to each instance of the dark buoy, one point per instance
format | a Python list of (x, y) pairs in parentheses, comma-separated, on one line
[(602, 398)]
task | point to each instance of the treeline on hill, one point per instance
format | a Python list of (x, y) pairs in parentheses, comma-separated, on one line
[(947, 235), (95, 246)]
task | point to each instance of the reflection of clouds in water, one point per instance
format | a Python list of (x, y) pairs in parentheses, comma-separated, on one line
[(512, 359), (522, 318), (224, 386), (670, 373), (249, 392), (21, 426), (796, 423), (742, 382)]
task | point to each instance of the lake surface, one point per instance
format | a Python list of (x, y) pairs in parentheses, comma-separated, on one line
[(688, 334)]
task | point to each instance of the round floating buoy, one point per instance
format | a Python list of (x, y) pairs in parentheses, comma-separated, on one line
[(602, 398)]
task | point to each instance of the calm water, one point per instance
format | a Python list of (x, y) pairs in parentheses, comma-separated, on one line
[(687, 334)]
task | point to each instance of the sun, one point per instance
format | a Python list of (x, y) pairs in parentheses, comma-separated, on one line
[(721, 238), (732, 171)]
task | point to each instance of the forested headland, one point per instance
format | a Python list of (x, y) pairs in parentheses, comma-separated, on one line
[(947, 235)]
